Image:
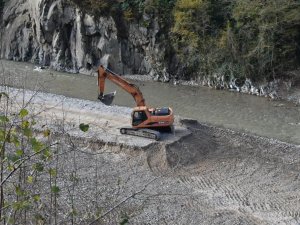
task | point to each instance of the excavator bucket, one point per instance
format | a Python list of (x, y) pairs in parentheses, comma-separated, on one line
[(107, 99)]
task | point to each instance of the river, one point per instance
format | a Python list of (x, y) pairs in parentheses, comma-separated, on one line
[(257, 115)]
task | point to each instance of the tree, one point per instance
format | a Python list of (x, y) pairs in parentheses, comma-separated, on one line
[(23, 156), (197, 26), (268, 36)]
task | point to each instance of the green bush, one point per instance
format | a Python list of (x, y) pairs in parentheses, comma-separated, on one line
[(252, 38), (195, 33), (267, 35), (97, 7)]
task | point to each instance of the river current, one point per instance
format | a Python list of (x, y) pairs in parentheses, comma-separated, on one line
[(257, 115)]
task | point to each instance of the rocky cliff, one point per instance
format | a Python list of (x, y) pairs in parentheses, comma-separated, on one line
[(60, 35)]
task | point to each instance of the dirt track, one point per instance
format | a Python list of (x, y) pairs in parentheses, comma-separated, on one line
[(213, 176), (241, 178), (210, 176)]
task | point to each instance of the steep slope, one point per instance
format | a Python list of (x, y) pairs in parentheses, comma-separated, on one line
[(60, 35)]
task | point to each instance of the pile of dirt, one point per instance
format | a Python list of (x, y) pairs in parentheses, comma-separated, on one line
[(232, 176)]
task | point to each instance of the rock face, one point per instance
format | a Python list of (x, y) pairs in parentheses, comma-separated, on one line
[(59, 35)]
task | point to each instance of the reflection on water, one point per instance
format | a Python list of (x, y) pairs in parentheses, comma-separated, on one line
[(257, 115)]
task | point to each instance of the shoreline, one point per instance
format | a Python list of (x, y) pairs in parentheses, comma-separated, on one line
[(275, 90), (221, 108)]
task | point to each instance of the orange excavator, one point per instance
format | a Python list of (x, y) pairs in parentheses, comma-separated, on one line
[(146, 122)]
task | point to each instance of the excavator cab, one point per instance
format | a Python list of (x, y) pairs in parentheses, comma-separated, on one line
[(138, 117)]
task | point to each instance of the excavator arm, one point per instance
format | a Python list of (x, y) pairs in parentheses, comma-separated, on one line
[(145, 121), (105, 73)]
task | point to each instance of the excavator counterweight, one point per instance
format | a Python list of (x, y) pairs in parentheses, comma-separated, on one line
[(145, 121)]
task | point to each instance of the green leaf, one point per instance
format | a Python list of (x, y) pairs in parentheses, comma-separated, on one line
[(36, 198), (84, 127), (10, 167), (46, 154), (52, 172), (125, 220), (15, 141), (2, 135), (55, 189), (27, 132), (36, 145), (23, 113), (46, 133), (25, 124), (19, 191), (19, 152), (39, 167), (4, 119), (30, 179)]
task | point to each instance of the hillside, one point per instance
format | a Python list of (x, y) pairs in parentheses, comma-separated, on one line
[(217, 43)]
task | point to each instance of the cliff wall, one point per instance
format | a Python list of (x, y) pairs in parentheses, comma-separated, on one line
[(60, 35)]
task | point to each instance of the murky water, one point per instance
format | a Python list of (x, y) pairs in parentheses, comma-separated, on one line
[(276, 119)]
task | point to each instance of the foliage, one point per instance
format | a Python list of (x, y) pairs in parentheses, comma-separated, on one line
[(267, 36), (84, 127), (23, 157), (28, 166), (197, 25), (256, 39), (132, 9), (98, 7), (243, 38), (162, 9)]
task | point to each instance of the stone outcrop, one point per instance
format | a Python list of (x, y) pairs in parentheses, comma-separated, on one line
[(59, 35)]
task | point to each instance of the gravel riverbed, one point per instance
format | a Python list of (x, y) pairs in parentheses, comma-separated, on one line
[(200, 175)]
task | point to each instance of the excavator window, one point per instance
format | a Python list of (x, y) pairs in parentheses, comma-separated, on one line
[(162, 111), (139, 117)]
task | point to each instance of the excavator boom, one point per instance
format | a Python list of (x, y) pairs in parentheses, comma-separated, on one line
[(105, 73), (145, 121)]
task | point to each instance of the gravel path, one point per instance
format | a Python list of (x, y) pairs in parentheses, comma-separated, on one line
[(202, 175)]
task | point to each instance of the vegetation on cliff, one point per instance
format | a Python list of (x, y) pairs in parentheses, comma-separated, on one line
[(257, 39)]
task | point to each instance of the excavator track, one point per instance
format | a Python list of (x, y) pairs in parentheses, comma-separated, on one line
[(146, 133)]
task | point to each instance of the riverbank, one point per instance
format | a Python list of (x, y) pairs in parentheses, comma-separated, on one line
[(104, 121), (246, 113), (288, 90)]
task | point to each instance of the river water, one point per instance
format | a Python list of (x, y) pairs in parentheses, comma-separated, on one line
[(257, 115)]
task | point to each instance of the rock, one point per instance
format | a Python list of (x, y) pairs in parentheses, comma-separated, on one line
[(166, 76), (63, 37), (247, 86), (89, 25)]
